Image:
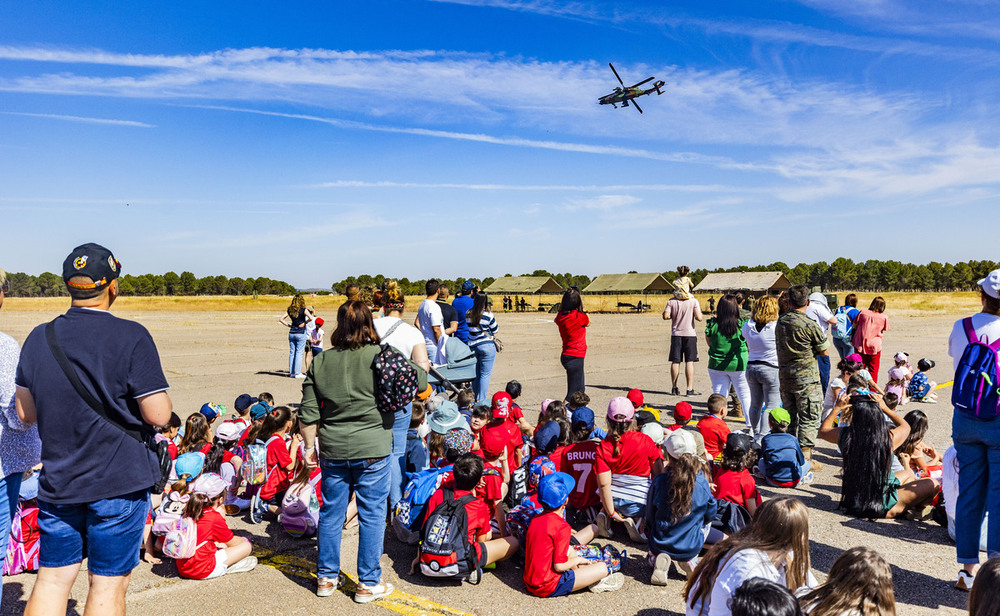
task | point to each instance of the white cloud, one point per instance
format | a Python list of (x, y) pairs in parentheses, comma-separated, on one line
[(604, 203), (84, 120)]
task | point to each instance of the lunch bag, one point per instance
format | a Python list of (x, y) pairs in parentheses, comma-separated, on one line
[(445, 551), (976, 391)]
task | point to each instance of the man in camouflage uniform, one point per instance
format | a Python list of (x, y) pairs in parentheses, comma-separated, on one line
[(799, 340)]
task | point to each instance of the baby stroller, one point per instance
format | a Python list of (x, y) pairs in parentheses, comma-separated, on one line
[(459, 371)]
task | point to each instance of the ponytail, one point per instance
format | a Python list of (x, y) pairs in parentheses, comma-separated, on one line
[(195, 506), (181, 485), (274, 421), (615, 431)]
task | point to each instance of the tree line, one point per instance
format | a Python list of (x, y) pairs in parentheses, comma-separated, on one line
[(48, 284)]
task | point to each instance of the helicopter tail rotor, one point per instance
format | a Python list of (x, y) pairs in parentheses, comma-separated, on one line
[(657, 85)]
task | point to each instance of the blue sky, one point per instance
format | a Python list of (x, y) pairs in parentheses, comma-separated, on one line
[(463, 138)]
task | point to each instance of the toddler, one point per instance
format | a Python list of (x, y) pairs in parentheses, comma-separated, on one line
[(921, 389), (732, 480), (682, 284), (899, 377)]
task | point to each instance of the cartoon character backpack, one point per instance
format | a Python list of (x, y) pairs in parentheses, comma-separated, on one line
[(171, 510), (445, 550)]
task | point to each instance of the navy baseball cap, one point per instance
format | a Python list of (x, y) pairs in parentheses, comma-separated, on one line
[(468, 285), (93, 261), (554, 489), (585, 416), (243, 402), (547, 438)]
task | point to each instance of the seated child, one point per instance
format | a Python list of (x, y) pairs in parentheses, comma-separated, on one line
[(639, 402), (167, 434), (899, 377), (680, 510), (513, 389), (732, 480), (580, 400), (859, 577), (208, 495), (578, 461), (864, 374), (415, 458), (919, 456), (212, 411), (847, 369), (481, 416), (654, 431), (493, 487), (465, 400), (550, 569), (503, 424), (187, 468), (713, 426), (280, 464), (760, 596), (921, 389), (781, 460), (683, 284), (682, 421), (242, 405)]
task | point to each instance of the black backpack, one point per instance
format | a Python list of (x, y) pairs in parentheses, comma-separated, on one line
[(517, 487), (445, 551)]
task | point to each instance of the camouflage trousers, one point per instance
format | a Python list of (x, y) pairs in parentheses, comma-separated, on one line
[(804, 402)]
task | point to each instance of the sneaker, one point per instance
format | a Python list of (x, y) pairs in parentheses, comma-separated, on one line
[(367, 594), (692, 392), (686, 567), (325, 587), (676, 391), (475, 576), (247, 564), (603, 525), (807, 479), (609, 584), (929, 401), (633, 532), (300, 376), (965, 580), (661, 566), (257, 508)]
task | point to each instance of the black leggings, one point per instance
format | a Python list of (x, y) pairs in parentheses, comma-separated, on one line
[(574, 374)]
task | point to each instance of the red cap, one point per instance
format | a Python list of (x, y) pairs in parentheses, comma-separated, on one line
[(501, 405), (635, 397), (682, 411), (319, 322), (493, 442)]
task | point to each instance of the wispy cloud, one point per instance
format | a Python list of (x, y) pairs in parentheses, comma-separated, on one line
[(532, 187), (604, 203), (84, 120)]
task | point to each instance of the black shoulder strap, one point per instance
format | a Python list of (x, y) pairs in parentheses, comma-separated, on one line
[(74, 379)]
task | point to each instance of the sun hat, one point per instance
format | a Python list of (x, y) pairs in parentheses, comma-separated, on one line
[(539, 467), (458, 439), (620, 406), (210, 484), (547, 438), (211, 410), (554, 489), (228, 431), (492, 442), (738, 444), (190, 464), (93, 261), (780, 415), (259, 410), (635, 397), (446, 417), (901, 356), (654, 431), (682, 411), (583, 415), (501, 405), (991, 284), (243, 402), (680, 442)]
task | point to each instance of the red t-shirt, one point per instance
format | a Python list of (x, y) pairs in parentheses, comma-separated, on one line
[(578, 460), (227, 456), (547, 544), (735, 486), (211, 528), (477, 512), (556, 457), (714, 431), (516, 413), (490, 487), (511, 433), (636, 454), (572, 328), (278, 460)]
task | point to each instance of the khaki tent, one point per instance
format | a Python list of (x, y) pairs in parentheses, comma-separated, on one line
[(525, 285), (754, 282), (628, 283)]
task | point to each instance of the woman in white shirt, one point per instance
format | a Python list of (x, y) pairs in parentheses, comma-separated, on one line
[(762, 365), (775, 547)]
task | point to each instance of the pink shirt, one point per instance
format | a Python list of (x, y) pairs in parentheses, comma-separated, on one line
[(868, 330), (682, 314)]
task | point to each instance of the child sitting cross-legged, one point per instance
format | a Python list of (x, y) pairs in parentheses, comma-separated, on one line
[(920, 388), (713, 426), (732, 480), (207, 497), (551, 568), (781, 460)]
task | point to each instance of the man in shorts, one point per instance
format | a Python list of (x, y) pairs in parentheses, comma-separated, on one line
[(93, 495), (683, 340)]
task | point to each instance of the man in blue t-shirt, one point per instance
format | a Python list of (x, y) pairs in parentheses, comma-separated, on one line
[(462, 304), (846, 313), (93, 492)]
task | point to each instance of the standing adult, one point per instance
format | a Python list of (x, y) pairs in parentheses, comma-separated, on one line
[(295, 319), (20, 448), (462, 303), (868, 329), (798, 340), (976, 445), (843, 330), (354, 445), (482, 328), (682, 313), (819, 310), (727, 351), (93, 494), (408, 340), (430, 321), (573, 322), (449, 316), (762, 365)]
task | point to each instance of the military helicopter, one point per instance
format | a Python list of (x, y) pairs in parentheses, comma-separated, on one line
[(623, 95)]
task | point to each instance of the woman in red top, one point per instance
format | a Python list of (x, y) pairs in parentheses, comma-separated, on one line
[(572, 322), (867, 340)]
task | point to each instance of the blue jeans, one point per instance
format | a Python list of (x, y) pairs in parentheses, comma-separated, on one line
[(823, 362), (977, 447), (9, 488), (628, 509), (397, 466), (765, 394), (296, 348), (486, 354), (844, 347), (369, 480)]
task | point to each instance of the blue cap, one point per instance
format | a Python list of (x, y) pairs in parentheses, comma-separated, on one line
[(211, 410), (554, 489), (539, 467), (243, 401), (258, 410), (584, 415), (547, 438), (468, 285), (190, 464)]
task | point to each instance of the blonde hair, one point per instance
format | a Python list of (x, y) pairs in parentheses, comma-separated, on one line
[(3, 277), (765, 310), (392, 291), (298, 305), (860, 582)]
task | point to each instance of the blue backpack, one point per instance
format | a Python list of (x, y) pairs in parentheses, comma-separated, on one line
[(976, 391), (842, 330), (408, 514)]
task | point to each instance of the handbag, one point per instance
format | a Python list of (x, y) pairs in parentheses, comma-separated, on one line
[(497, 343)]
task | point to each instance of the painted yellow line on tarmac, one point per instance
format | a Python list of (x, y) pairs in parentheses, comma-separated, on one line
[(399, 601), (942, 385)]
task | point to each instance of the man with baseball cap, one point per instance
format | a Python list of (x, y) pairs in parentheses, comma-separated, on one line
[(96, 406), (462, 304)]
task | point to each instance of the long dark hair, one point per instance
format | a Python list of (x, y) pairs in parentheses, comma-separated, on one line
[(984, 598), (475, 314), (727, 316), (571, 301), (616, 429), (918, 429), (355, 328), (867, 452), (196, 434), (683, 474)]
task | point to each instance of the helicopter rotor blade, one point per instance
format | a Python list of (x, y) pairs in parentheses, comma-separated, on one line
[(643, 81), (637, 105), (616, 74)]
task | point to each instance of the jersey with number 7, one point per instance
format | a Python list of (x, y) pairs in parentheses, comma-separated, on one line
[(579, 460)]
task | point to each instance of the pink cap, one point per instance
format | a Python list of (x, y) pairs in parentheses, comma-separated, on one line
[(545, 404), (855, 357), (620, 409)]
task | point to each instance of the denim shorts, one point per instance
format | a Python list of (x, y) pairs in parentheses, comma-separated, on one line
[(628, 509), (107, 532)]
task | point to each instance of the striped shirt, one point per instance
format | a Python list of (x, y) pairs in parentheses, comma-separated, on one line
[(483, 331)]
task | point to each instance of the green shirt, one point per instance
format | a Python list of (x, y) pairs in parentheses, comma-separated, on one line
[(798, 340), (728, 354), (338, 394)]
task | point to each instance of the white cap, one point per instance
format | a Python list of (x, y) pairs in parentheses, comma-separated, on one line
[(654, 431), (680, 442), (991, 284), (901, 356), (229, 431)]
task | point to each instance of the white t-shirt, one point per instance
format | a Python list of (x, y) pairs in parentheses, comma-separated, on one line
[(315, 334), (987, 327), (828, 400), (404, 338), (429, 316), (760, 344), (739, 568), (819, 312)]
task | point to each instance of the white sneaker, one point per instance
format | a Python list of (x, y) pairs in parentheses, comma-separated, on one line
[(367, 594), (661, 566), (633, 531), (609, 584), (603, 525), (965, 580), (300, 376), (807, 479), (247, 564)]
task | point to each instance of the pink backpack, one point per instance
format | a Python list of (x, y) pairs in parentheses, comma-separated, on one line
[(300, 509), (181, 541), (171, 510), (22, 550)]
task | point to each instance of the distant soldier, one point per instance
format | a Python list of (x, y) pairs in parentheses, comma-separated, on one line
[(711, 304)]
